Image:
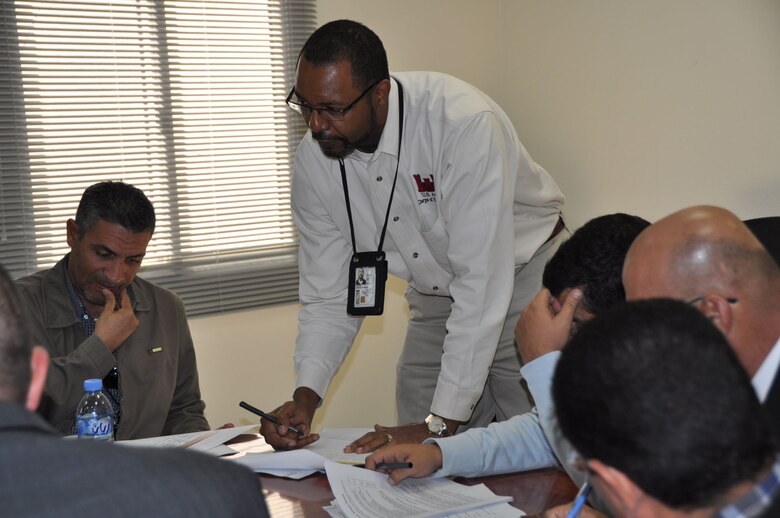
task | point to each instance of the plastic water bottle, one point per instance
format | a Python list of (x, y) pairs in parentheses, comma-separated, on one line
[(94, 416)]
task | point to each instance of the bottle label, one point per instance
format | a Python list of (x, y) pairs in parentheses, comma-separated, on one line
[(95, 428)]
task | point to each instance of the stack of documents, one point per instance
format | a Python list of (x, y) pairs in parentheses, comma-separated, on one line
[(361, 492), (210, 441), (297, 464)]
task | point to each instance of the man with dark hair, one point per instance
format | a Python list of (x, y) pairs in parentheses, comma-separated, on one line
[(664, 416), (42, 475), (708, 257), (594, 257), (589, 264), (99, 320), (426, 171)]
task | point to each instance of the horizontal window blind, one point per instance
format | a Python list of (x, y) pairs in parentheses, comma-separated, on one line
[(183, 99)]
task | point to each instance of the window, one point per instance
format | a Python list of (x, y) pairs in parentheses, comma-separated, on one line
[(183, 99)]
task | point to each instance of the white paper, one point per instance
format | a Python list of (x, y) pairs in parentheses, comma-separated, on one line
[(261, 458), (361, 492), (199, 441), (294, 459)]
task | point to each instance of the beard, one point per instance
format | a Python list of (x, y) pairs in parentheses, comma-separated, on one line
[(337, 146), (333, 147), (92, 292)]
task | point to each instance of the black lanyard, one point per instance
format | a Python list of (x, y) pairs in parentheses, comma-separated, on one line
[(395, 178)]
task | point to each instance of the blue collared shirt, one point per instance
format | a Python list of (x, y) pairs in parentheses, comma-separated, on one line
[(758, 499), (89, 323)]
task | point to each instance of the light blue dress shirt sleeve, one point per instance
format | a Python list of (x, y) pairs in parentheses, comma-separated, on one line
[(518, 444)]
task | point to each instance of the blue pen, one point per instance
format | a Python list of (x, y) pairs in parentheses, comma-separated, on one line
[(579, 501)]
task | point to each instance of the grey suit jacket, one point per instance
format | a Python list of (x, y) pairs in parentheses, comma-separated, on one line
[(43, 475)]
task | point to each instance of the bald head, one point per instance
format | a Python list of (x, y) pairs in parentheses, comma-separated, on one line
[(707, 255)]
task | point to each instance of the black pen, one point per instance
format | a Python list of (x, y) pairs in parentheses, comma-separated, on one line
[(388, 465), (257, 411)]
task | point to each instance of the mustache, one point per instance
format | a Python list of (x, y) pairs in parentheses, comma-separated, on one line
[(116, 288)]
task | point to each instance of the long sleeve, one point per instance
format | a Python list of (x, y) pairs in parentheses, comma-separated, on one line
[(325, 330), (518, 444), (476, 206)]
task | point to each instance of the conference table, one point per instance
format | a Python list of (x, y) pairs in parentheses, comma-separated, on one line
[(532, 491)]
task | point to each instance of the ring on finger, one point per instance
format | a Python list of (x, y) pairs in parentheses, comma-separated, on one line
[(389, 437)]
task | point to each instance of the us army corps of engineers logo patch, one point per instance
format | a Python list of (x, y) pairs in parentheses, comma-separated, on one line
[(426, 191)]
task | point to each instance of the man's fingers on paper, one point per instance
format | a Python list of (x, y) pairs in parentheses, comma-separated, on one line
[(292, 414), (368, 442), (300, 442), (289, 441)]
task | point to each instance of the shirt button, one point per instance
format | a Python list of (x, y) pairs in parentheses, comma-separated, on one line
[(379, 179), (396, 218), (435, 288), (415, 255)]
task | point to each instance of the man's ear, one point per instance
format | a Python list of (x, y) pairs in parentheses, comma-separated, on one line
[(381, 92), (72, 231), (719, 311), (39, 366), (619, 490)]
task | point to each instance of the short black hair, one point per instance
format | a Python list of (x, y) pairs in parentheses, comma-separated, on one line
[(653, 389), (15, 346), (348, 40), (115, 202), (592, 259)]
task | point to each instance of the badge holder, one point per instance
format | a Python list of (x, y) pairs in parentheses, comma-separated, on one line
[(367, 278), (368, 270)]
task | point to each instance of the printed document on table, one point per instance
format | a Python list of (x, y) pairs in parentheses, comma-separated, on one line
[(491, 511), (361, 492), (209, 441), (307, 460)]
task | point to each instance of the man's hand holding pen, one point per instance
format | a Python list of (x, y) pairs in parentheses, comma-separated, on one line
[(423, 458), (298, 414)]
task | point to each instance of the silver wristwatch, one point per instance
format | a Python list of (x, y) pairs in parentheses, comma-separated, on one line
[(436, 425)]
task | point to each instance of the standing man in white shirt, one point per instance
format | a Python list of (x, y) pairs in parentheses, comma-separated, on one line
[(423, 176)]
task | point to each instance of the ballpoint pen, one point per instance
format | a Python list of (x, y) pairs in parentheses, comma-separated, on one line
[(388, 465), (579, 501), (257, 411)]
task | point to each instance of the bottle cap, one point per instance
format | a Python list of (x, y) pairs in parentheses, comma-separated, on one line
[(93, 385)]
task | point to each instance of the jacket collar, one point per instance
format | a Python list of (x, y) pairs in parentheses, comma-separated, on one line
[(57, 309), (15, 417)]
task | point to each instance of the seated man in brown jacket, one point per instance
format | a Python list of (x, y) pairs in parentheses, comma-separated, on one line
[(42, 475), (99, 320)]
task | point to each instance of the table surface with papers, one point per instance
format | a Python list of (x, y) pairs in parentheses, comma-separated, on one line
[(532, 491)]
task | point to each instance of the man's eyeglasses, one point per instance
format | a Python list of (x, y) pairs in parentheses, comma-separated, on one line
[(331, 114)]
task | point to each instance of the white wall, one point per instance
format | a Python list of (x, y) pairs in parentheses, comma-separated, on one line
[(647, 107), (643, 107)]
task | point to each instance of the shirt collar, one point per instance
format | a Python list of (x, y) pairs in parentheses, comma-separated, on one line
[(388, 142), (78, 306), (757, 500), (765, 375)]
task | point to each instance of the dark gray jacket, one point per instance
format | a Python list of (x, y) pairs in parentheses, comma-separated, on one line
[(43, 475)]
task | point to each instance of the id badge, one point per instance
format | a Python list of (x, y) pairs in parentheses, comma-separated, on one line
[(366, 290)]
